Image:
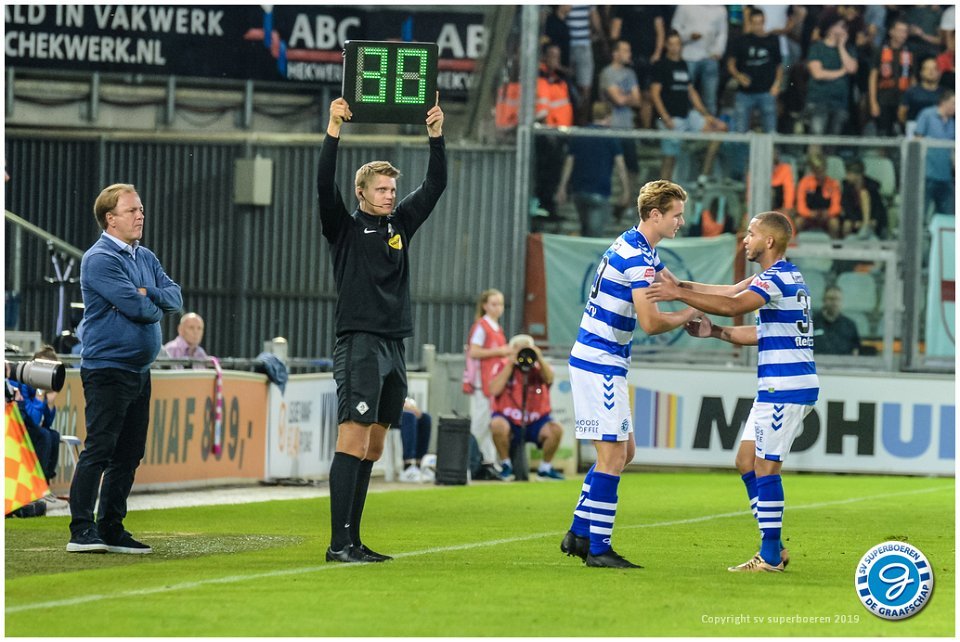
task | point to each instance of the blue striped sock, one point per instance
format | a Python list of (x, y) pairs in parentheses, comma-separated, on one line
[(581, 515), (770, 516), (602, 504)]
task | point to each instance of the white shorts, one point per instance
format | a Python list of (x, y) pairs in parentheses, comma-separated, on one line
[(601, 406), (774, 427)]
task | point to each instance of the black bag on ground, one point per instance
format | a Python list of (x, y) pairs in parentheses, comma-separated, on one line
[(453, 450)]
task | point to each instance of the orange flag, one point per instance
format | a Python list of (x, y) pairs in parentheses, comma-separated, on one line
[(25, 481)]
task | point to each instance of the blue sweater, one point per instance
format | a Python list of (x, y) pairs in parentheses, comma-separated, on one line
[(121, 327)]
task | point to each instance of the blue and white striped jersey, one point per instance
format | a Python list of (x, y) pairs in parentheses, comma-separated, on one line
[(786, 372), (608, 322)]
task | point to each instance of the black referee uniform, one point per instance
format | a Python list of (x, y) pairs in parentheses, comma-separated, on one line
[(371, 266)]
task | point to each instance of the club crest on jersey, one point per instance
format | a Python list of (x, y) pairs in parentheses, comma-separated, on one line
[(395, 242), (649, 273), (625, 426)]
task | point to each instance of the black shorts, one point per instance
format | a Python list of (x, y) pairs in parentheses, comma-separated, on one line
[(371, 376)]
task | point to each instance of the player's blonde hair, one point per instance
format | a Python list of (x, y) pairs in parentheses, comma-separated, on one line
[(483, 298), (107, 200), (367, 171), (658, 195)]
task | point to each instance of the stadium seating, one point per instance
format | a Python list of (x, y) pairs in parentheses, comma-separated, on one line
[(836, 169), (816, 281), (881, 169), (859, 291), (863, 322)]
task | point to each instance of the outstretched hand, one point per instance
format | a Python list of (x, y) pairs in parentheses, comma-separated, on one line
[(700, 328), (435, 120), (665, 290)]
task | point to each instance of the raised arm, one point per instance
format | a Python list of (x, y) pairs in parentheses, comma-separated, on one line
[(417, 205), (333, 211)]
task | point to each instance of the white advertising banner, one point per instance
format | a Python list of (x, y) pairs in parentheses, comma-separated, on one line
[(302, 425), (863, 423)]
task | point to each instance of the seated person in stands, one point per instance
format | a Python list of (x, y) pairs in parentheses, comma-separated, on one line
[(714, 220), (818, 200), (187, 343), (834, 333), (784, 186), (520, 400), (863, 211), (415, 435)]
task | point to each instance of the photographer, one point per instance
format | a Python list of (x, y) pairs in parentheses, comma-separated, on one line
[(521, 405), (38, 413)]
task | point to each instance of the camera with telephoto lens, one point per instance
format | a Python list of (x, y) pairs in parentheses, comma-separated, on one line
[(41, 374), (526, 359)]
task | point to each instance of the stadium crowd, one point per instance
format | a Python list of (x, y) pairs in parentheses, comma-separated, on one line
[(848, 70)]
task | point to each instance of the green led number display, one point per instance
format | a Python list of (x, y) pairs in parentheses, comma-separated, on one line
[(372, 77), (408, 79), (390, 81)]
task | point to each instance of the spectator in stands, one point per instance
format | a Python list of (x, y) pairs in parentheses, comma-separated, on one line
[(784, 186), (556, 32), (875, 19), (924, 21), (703, 34), (587, 170), (948, 28), (834, 333), (554, 109), (583, 23), (831, 62), (415, 436), (521, 407), (938, 123), (187, 343), (818, 200), (781, 20), (679, 107), (38, 411), (946, 61), (644, 28), (713, 220), (890, 77), (864, 213), (754, 63), (621, 91), (924, 94)]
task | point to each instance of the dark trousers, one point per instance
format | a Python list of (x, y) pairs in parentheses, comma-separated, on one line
[(415, 435), (118, 411)]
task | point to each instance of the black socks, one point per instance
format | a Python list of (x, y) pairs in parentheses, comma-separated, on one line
[(343, 486)]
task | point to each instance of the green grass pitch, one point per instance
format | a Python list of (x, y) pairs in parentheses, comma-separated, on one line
[(484, 560)]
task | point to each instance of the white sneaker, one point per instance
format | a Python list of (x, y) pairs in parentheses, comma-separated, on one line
[(427, 476), (411, 475)]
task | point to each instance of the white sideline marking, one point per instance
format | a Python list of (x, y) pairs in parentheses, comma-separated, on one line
[(83, 599)]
